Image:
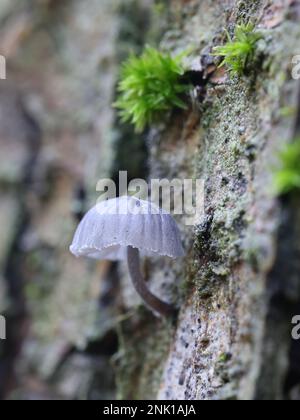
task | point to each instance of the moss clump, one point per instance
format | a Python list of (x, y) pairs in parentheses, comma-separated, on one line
[(287, 178), (239, 51), (149, 86), (225, 357)]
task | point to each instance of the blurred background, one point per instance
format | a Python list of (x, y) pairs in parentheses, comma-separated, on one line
[(75, 328), (58, 136)]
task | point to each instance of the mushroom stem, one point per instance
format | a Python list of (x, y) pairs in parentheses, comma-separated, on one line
[(140, 286)]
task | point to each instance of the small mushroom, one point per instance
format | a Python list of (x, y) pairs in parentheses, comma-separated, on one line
[(122, 228)]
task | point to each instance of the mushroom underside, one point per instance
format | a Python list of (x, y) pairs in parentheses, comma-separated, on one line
[(113, 252), (158, 306)]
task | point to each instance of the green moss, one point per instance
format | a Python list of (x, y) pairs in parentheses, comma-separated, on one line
[(150, 85), (239, 51), (159, 8), (224, 357), (288, 111), (287, 178)]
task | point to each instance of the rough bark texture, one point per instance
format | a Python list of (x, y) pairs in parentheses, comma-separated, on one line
[(77, 327)]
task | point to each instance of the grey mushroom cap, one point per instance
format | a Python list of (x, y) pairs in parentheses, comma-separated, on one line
[(111, 226)]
